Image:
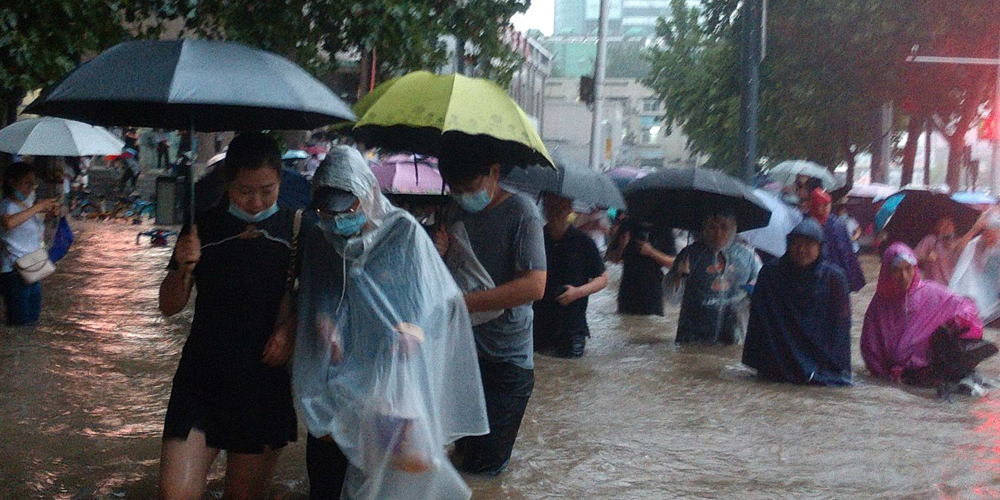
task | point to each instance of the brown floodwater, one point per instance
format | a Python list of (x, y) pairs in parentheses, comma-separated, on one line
[(82, 399)]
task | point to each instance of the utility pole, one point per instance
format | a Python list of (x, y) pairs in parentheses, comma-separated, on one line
[(602, 53), (753, 15)]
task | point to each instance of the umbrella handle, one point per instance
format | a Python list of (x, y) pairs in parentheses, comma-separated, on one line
[(189, 209)]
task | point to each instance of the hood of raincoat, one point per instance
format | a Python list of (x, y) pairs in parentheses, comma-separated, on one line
[(800, 323), (898, 325), (977, 276), (345, 168), (385, 362)]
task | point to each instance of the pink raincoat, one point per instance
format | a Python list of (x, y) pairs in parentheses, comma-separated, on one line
[(898, 324)]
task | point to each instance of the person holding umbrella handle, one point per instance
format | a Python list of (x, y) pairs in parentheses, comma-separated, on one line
[(232, 390)]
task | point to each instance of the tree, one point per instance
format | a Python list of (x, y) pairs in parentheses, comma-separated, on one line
[(395, 36), (41, 40), (816, 89), (829, 65)]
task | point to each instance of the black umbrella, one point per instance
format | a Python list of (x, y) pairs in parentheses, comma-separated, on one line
[(919, 211), (683, 197), (175, 84), (197, 84), (579, 184)]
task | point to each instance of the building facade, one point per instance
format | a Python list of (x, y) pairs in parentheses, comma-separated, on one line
[(633, 132), (527, 87), (625, 17)]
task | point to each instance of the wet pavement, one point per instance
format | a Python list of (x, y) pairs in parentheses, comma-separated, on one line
[(83, 395)]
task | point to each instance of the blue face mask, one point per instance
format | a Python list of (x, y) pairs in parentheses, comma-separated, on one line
[(242, 215), (474, 202), (344, 224), (27, 200)]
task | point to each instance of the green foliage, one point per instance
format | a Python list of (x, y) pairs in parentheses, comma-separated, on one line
[(40, 40), (405, 35), (829, 65)]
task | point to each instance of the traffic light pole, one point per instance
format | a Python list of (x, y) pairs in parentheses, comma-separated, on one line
[(753, 12), (602, 53)]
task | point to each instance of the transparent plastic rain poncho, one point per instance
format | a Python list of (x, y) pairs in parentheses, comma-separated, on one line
[(977, 276), (406, 381)]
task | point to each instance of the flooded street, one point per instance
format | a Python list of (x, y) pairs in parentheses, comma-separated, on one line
[(83, 395)]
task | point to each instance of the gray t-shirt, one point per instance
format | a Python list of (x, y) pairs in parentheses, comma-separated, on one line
[(507, 239)]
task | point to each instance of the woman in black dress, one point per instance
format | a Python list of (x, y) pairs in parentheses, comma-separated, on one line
[(232, 391)]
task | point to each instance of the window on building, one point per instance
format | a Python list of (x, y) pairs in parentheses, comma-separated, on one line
[(650, 105)]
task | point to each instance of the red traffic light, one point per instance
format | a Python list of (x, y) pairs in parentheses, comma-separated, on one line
[(988, 128)]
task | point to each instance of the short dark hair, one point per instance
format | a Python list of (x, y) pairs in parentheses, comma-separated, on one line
[(464, 157), (251, 151), (15, 172), (456, 171)]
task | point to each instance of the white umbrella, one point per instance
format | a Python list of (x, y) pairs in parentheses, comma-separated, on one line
[(49, 136), (786, 171), (784, 218)]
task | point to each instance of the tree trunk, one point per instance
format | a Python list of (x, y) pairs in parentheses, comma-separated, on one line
[(913, 130), (882, 145), (956, 152), (927, 151), (849, 157), (365, 73)]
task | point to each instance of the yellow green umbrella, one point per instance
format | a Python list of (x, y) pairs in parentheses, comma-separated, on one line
[(427, 113)]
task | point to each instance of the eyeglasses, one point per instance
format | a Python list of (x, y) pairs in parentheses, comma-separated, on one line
[(327, 215)]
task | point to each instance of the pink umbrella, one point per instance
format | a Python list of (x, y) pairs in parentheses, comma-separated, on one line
[(409, 174)]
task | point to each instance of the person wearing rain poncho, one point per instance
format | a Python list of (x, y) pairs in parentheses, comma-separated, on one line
[(716, 274), (384, 369), (977, 272), (837, 245), (917, 331), (800, 316)]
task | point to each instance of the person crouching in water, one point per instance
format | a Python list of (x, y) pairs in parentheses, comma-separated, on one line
[(717, 273), (800, 316), (905, 316), (575, 271)]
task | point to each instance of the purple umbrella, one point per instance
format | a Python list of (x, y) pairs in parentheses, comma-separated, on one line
[(409, 174)]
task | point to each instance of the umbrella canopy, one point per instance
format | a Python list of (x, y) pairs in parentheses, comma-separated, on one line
[(974, 198), (786, 172), (427, 114), (623, 176), (48, 136), (295, 154), (683, 197), (917, 212), (773, 237), (579, 184), (409, 174), (872, 191), (200, 84)]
